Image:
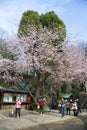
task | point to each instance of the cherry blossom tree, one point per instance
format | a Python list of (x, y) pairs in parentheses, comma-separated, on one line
[(76, 61), (6, 58), (37, 55)]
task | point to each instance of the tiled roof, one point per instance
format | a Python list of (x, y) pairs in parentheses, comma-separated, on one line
[(13, 90), (67, 95)]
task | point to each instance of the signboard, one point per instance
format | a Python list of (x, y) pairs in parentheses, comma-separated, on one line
[(7, 97)]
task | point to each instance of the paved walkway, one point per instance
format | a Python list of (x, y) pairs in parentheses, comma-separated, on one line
[(31, 118)]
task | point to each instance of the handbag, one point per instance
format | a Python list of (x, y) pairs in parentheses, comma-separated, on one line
[(12, 112), (38, 106)]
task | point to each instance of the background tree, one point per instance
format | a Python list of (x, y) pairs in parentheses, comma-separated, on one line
[(6, 60), (53, 22), (4, 49), (49, 20), (29, 17)]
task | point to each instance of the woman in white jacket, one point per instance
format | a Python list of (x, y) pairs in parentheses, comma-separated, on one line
[(75, 108)]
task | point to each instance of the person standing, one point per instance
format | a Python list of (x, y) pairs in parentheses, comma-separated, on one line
[(75, 108), (17, 107), (63, 107), (68, 107), (41, 104), (78, 105), (50, 104)]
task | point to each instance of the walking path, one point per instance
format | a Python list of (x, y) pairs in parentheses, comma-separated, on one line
[(31, 118)]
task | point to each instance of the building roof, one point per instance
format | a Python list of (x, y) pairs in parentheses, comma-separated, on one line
[(14, 90), (67, 95)]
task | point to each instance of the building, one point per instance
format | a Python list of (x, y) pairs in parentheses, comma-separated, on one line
[(9, 96)]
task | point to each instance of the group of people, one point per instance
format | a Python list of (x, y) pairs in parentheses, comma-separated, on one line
[(19, 104), (67, 105), (42, 102)]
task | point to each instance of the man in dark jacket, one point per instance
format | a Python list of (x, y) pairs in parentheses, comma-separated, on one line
[(78, 106)]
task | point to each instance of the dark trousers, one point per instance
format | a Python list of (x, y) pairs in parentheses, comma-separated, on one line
[(75, 112), (79, 109), (17, 112), (67, 111), (41, 109), (50, 107)]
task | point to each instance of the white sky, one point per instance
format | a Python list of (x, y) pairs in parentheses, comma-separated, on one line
[(72, 12)]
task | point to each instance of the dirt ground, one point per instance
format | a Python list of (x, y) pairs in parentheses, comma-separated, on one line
[(80, 123)]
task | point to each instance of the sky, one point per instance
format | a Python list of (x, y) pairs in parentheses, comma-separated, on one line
[(72, 12)]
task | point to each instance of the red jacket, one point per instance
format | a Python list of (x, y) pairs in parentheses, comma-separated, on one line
[(41, 102)]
